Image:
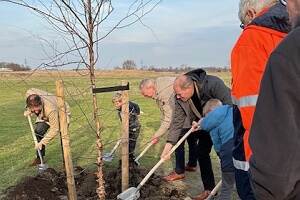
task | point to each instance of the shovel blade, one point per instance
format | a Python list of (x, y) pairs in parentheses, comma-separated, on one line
[(42, 168), (137, 162), (129, 194)]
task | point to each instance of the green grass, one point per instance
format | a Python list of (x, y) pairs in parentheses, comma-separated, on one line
[(16, 145)]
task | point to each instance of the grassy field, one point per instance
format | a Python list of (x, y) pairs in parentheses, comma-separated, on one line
[(16, 145)]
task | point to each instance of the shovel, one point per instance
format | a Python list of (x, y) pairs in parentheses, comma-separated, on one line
[(133, 193), (41, 167), (108, 157), (142, 153), (214, 191)]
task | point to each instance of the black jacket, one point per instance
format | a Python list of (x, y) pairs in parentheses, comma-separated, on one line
[(275, 132), (185, 112), (134, 112)]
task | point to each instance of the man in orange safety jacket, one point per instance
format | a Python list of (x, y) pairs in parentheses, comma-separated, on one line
[(265, 24)]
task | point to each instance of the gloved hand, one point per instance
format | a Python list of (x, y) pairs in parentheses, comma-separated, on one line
[(27, 113), (39, 146)]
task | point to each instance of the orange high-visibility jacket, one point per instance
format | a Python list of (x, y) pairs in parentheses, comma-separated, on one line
[(248, 59)]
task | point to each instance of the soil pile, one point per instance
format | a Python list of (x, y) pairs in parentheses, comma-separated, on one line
[(51, 185)]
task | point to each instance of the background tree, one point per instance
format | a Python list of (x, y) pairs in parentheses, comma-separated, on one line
[(79, 23), (129, 64)]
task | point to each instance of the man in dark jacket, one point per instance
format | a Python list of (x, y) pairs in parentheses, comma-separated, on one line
[(275, 132), (192, 91)]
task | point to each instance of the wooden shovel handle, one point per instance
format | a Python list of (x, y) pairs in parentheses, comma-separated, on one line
[(163, 160)]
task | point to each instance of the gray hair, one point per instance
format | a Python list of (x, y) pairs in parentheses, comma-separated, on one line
[(146, 83), (257, 5)]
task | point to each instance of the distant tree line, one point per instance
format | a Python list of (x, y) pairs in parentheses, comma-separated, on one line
[(14, 66), (130, 65)]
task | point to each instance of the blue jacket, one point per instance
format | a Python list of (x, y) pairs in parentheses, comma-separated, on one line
[(219, 124)]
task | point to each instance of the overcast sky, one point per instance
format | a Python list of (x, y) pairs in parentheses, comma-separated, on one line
[(193, 32)]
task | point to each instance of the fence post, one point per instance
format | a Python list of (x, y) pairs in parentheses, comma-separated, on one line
[(125, 141), (65, 140)]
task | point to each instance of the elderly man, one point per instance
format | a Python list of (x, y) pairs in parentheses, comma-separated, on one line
[(44, 106), (265, 24), (161, 89), (192, 91), (275, 132)]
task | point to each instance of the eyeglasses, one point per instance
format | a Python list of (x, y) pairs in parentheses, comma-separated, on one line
[(242, 26), (283, 2)]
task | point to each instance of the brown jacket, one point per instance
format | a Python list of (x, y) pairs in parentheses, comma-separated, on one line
[(165, 100), (49, 113)]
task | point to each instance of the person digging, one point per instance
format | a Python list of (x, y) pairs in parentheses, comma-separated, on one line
[(43, 105)]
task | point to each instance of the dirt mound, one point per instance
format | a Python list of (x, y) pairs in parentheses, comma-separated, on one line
[(51, 185)]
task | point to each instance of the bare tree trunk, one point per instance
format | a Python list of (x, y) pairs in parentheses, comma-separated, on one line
[(99, 146)]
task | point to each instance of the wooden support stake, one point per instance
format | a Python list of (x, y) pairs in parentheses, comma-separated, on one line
[(125, 141), (65, 140)]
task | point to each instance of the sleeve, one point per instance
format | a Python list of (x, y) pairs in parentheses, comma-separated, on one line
[(54, 127), (212, 120), (274, 133), (177, 122), (167, 111)]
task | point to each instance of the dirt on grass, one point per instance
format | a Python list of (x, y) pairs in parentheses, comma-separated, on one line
[(51, 185)]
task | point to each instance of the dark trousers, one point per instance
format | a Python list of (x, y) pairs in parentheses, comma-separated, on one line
[(201, 145), (40, 130), (133, 135), (243, 185), (180, 153), (242, 178)]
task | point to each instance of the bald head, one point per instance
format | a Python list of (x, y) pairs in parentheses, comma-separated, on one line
[(183, 87)]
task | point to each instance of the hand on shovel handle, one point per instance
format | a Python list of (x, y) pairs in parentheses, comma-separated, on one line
[(38, 146), (155, 140)]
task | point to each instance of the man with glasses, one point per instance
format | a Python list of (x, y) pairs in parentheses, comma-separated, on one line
[(265, 24), (192, 91), (275, 163)]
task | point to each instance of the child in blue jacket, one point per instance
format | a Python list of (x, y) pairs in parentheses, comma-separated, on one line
[(219, 123)]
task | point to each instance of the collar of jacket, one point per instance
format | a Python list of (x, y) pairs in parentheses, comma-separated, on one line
[(275, 17), (155, 97), (194, 109)]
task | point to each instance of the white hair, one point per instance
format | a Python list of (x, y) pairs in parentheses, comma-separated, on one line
[(146, 83), (257, 5)]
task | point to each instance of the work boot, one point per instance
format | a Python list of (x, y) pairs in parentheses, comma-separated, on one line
[(173, 176), (190, 168), (202, 196)]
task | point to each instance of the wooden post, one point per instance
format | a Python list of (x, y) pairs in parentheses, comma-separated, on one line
[(65, 140), (125, 141)]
